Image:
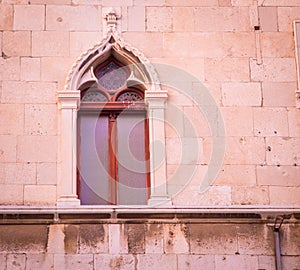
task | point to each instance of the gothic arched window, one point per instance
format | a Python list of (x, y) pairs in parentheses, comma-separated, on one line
[(113, 144)]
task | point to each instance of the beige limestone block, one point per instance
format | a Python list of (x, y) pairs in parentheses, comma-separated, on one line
[(239, 3), (56, 69), (290, 238), (30, 69), (285, 196), (39, 195), (288, 3), (18, 173), (245, 150), (194, 262), (277, 44), (56, 237), (72, 18), (227, 69), (107, 261), (16, 261), (8, 146), (250, 195), (268, 19), (154, 239), (280, 94), (46, 174), (291, 262), (82, 41), (213, 196), (174, 124), (28, 92), (156, 261), (29, 17), (283, 151), (274, 70), (287, 176), (270, 122), (294, 123), (156, 3), (6, 17), (266, 262), (10, 69), (193, 45), (241, 94), (183, 19), (51, 2), (3, 261), (11, 119), (286, 16), (237, 175), (192, 3), (113, 3), (195, 123), (225, 3), (136, 19), (238, 121), (39, 261), (11, 194), (151, 44), (15, 2), (41, 119), (239, 44), (211, 239), (177, 97), (159, 19), (176, 239), (222, 19), (50, 43), (17, 43), (73, 261), (37, 149)]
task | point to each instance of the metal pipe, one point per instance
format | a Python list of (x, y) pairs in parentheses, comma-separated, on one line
[(276, 229)]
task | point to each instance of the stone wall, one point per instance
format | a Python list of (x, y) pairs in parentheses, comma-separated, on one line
[(250, 73), (152, 244)]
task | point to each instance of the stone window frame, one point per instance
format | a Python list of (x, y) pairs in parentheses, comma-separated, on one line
[(297, 52), (69, 100)]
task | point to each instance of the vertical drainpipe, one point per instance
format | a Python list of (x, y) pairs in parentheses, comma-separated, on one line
[(276, 229)]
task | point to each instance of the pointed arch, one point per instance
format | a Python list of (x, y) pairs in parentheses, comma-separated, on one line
[(143, 77)]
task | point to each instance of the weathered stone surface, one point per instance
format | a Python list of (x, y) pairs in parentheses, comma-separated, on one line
[(183, 19), (268, 19), (56, 236), (284, 195), (124, 262), (136, 19), (40, 119), (239, 44), (73, 262), (266, 262), (196, 262), (71, 238), (154, 240), (159, 19), (290, 240), (251, 195), (3, 261), (10, 69), (283, 151), (39, 261), (290, 262), (212, 239), (136, 238), (294, 124), (81, 41), (8, 146), (176, 238), (156, 261), (229, 262), (11, 119), (11, 194), (16, 261), (46, 174), (23, 238), (93, 238), (18, 173), (270, 122), (286, 16)]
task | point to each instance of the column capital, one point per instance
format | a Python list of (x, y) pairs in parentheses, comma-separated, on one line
[(69, 99)]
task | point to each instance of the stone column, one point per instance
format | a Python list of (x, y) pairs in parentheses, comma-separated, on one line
[(69, 101), (156, 104)]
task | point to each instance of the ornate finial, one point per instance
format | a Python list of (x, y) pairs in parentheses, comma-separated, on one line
[(111, 19)]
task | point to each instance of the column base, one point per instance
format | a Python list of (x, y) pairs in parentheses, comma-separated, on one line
[(68, 201)]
